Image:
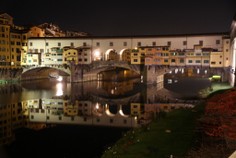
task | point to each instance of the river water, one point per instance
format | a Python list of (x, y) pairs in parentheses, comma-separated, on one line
[(47, 118)]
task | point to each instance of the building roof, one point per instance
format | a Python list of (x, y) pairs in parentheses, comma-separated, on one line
[(139, 36)]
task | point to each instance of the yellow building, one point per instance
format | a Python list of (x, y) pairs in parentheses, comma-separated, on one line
[(136, 109), (18, 45), (70, 55), (137, 56), (80, 55), (13, 42), (5, 24)]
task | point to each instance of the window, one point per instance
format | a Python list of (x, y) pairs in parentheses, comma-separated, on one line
[(206, 61), (173, 60), (58, 44), (72, 44), (84, 44), (184, 43), (201, 42), (111, 44), (213, 62), (181, 60), (31, 44), (153, 43), (166, 60), (217, 41), (190, 61), (198, 61), (169, 43), (135, 60), (139, 44), (125, 44), (98, 44)]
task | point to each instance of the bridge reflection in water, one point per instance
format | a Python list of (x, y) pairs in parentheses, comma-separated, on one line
[(40, 113), (42, 104)]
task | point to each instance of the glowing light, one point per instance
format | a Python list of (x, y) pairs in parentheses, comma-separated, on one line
[(112, 91), (176, 71), (59, 90), (59, 78), (97, 106), (97, 53)]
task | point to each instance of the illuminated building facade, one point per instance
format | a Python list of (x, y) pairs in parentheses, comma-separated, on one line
[(212, 50)]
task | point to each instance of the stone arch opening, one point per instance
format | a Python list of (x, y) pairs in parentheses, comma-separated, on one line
[(125, 55), (111, 54)]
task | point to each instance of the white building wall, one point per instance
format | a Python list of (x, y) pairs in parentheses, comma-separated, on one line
[(226, 52), (117, 43)]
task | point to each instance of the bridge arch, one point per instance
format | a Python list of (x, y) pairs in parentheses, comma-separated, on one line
[(119, 111), (125, 55), (42, 71), (112, 54), (108, 112)]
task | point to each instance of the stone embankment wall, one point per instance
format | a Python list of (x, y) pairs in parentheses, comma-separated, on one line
[(9, 75)]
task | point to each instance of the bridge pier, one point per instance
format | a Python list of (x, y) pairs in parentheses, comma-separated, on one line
[(155, 74)]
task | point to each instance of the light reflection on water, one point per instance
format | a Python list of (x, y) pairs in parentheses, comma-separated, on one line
[(114, 104), (59, 89)]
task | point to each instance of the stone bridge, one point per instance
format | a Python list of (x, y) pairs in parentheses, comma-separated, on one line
[(76, 73), (100, 66), (44, 71), (40, 67)]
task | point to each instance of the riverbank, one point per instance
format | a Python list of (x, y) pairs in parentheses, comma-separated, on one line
[(169, 134), (173, 134)]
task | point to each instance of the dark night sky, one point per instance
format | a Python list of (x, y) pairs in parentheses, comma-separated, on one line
[(124, 17)]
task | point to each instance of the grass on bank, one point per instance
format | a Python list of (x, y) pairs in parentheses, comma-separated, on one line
[(172, 134)]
